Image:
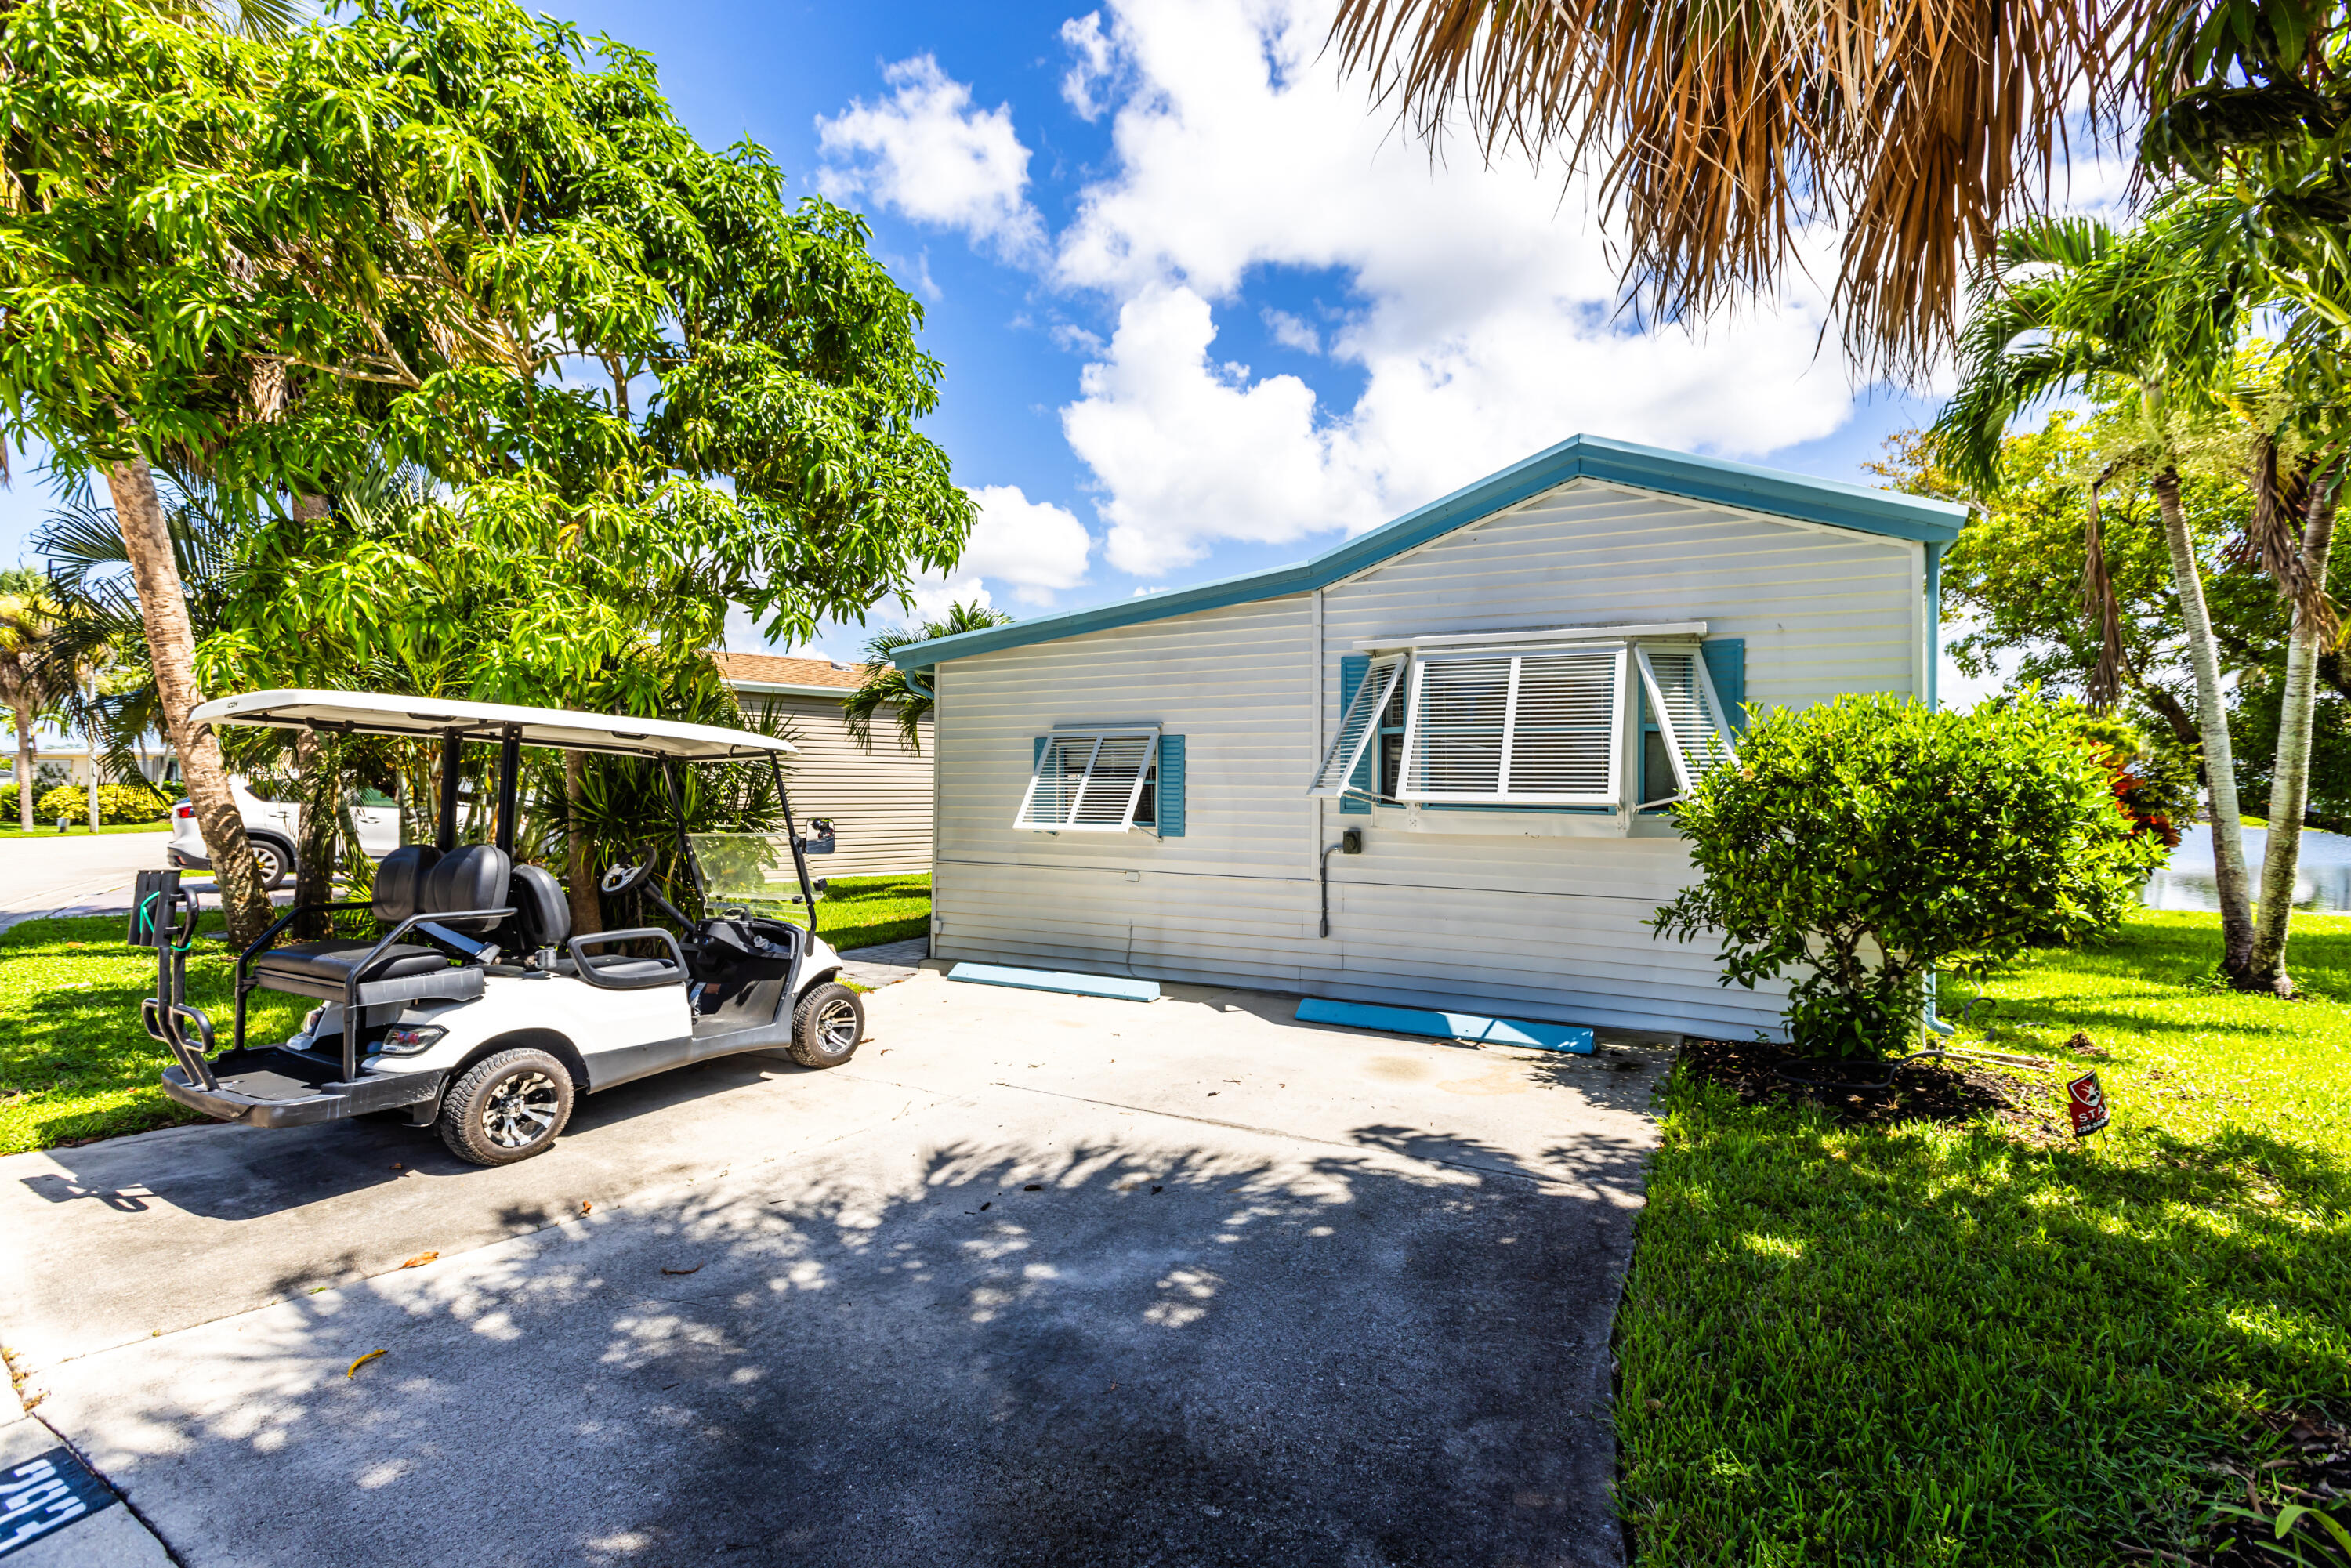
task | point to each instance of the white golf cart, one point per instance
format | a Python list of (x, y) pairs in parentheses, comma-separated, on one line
[(476, 1007)]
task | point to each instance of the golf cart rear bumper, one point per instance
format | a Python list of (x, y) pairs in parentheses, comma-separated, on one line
[(271, 1087)]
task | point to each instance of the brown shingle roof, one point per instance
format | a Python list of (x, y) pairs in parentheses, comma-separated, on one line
[(773, 671)]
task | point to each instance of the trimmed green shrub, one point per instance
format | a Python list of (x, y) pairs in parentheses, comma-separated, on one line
[(1863, 844), (118, 804)]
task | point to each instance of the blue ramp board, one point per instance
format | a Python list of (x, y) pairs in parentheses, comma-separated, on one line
[(1110, 986), (1450, 1026)]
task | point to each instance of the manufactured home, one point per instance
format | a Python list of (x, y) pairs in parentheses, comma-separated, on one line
[(1429, 766), (879, 802)]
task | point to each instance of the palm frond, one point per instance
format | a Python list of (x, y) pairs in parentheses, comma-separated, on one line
[(1720, 130)]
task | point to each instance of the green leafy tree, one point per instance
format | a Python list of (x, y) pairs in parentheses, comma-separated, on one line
[(885, 687), (1867, 842), (2013, 583), (2144, 321), (441, 235)]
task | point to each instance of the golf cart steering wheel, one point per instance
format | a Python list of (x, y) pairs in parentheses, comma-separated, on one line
[(621, 878)]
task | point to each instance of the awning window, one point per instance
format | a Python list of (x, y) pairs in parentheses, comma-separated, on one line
[(1539, 727), (1535, 728), (1088, 782)]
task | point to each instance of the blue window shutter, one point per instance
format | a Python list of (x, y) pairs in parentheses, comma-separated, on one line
[(1726, 665), (1353, 668), (1171, 786)]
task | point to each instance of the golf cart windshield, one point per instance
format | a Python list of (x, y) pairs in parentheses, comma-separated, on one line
[(755, 871)]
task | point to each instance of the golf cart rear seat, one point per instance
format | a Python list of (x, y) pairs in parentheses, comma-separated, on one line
[(414, 885), (543, 915)]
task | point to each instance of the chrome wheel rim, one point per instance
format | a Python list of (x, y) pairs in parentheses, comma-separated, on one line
[(520, 1111), (836, 1026), (265, 864)]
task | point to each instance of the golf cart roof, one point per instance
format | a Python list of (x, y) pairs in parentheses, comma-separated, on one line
[(432, 718)]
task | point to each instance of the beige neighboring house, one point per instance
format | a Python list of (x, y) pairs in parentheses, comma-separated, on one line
[(879, 800)]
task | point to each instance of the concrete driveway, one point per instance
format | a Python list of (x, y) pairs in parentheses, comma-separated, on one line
[(1033, 1280)]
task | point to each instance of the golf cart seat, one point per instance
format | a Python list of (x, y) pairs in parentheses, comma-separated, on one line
[(543, 916), (413, 879)]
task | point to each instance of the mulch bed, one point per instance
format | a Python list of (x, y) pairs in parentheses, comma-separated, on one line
[(1949, 1089)]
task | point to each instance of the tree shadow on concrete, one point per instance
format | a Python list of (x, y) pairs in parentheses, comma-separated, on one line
[(1140, 1349)]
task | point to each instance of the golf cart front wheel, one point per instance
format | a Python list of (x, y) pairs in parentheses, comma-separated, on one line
[(827, 1026), (507, 1107)]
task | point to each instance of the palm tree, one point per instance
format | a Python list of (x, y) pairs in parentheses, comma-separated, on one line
[(2071, 306), (1718, 130), (886, 685), (27, 674)]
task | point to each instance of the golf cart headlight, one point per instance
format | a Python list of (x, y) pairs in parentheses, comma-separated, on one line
[(408, 1039)]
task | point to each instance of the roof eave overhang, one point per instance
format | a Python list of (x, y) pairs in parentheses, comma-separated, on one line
[(1799, 497)]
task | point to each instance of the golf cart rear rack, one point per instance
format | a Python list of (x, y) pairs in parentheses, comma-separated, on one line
[(272, 1086)]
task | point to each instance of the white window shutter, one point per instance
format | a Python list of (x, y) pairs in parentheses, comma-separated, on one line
[(1058, 779), (1454, 731), (1088, 782), (1567, 725), (1115, 783), (1359, 726), (1681, 694)]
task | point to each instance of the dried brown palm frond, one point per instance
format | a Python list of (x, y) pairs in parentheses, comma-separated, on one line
[(1719, 129), (2100, 602)]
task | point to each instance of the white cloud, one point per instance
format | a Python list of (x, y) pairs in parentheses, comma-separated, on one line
[(1292, 332), (1186, 452), (1035, 546), (1091, 64), (927, 151), (935, 593), (1484, 304)]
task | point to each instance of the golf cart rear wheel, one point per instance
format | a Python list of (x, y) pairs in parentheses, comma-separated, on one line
[(507, 1107), (827, 1026)]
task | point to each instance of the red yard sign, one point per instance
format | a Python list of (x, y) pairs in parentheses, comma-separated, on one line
[(2086, 1103)]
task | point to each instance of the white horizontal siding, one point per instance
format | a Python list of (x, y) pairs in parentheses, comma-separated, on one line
[(879, 800), (1548, 927)]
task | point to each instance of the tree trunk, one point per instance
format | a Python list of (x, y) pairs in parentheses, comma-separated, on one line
[(579, 873), (2175, 717), (2290, 779), (317, 765), (2213, 719), (171, 645), (25, 769)]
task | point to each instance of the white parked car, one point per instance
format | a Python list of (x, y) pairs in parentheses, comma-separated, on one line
[(275, 826)]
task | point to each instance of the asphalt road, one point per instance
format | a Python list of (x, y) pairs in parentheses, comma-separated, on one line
[(40, 875), (1033, 1280)]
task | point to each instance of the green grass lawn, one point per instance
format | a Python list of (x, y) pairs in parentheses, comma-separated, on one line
[(1978, 1343), (862, 911), (9, 829), (74, 1061), (75, 1064)]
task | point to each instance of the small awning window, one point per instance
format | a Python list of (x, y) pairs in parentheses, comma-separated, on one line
[(1088, 782)]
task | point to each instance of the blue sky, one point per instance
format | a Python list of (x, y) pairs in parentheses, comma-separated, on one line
[(1201, 309)]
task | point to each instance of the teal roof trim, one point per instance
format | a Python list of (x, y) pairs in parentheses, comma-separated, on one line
[(1827, 501)]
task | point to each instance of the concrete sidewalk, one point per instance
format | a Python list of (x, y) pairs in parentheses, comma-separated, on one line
[(1035, 1278)]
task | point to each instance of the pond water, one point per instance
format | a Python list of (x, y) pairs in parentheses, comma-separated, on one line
[(2322, 885)]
